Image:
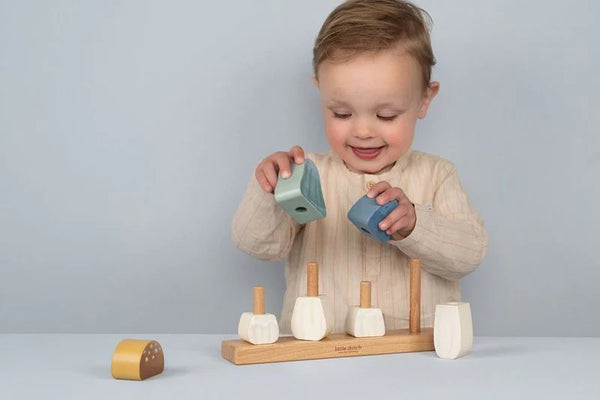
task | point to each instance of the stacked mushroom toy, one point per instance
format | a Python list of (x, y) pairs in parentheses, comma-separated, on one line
[(257, 327), (313, 315), (365, 321)]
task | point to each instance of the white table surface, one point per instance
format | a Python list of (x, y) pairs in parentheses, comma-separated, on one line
[(61, 366)]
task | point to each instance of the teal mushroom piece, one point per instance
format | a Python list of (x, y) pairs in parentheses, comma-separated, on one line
[(301, 195)]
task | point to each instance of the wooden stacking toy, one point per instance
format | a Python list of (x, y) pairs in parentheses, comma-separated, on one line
[(288, 348), (366, 214), (453, 330), (313, 315), (257, 327), (364, 321), (137, 359), (300, 195)]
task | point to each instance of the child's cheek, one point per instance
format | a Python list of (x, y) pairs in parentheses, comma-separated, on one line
[(335, 135), (400, 137)]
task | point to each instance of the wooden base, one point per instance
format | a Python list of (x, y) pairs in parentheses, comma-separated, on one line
[(288, 348)]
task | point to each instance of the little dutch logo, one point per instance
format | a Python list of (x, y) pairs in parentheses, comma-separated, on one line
[(348, 349)]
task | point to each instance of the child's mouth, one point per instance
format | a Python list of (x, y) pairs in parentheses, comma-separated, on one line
[(366, 153)]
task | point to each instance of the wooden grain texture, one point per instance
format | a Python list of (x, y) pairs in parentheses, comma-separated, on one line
[(287, 348), (365, 294), (414, 325), (312, 279), (258, 297)]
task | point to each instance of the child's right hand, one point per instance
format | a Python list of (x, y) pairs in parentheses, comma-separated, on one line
[(279, 162)]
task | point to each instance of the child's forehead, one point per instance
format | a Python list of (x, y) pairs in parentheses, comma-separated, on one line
[(381, 71), (369, 89), (361, 95)]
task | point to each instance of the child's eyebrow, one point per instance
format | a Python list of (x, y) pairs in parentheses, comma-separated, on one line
[(337, 103), (388, 105)]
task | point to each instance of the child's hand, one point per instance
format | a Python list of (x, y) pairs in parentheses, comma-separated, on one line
[(279, 162), (401, 221)]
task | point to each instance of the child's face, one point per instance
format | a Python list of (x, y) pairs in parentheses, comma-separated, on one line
[(370, 105)]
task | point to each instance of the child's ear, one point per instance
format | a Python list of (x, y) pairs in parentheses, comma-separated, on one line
[(430, 93), (315, 81)]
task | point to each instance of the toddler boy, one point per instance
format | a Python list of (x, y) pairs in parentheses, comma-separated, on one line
[(372, 65)]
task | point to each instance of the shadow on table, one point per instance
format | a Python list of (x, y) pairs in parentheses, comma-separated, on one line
[(483, 351), (102, 372)]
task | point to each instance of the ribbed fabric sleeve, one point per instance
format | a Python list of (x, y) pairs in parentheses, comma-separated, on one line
[(260, 227), (448, 238)]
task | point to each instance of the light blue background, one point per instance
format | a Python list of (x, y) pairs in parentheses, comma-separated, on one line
[(129, 130)]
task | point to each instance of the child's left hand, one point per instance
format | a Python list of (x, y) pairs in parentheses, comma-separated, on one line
[(401, 221)]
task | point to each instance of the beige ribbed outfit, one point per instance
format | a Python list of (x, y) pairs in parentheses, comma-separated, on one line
[(448, 238)]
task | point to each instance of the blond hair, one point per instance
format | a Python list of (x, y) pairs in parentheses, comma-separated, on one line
[(362, 26)]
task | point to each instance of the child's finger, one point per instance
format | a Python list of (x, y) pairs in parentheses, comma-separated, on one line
[(378, 188), (270, 175), (392, 193), (283, 165), (401, 225), (263, 181), (297, 154), (392, 218)]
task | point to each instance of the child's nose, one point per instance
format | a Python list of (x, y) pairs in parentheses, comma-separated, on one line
[(363, 130)]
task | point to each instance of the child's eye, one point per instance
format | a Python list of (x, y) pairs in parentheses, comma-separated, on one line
[(341, 116), (387, 118)]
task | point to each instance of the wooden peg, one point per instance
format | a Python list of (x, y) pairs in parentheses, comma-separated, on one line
[(258, 295), (414, 325), (312, 280), (365, 294)]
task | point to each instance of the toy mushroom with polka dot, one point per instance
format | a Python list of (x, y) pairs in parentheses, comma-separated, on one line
[(137, 359)]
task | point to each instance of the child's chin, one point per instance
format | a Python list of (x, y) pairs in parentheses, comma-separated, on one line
[(369, 167)]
